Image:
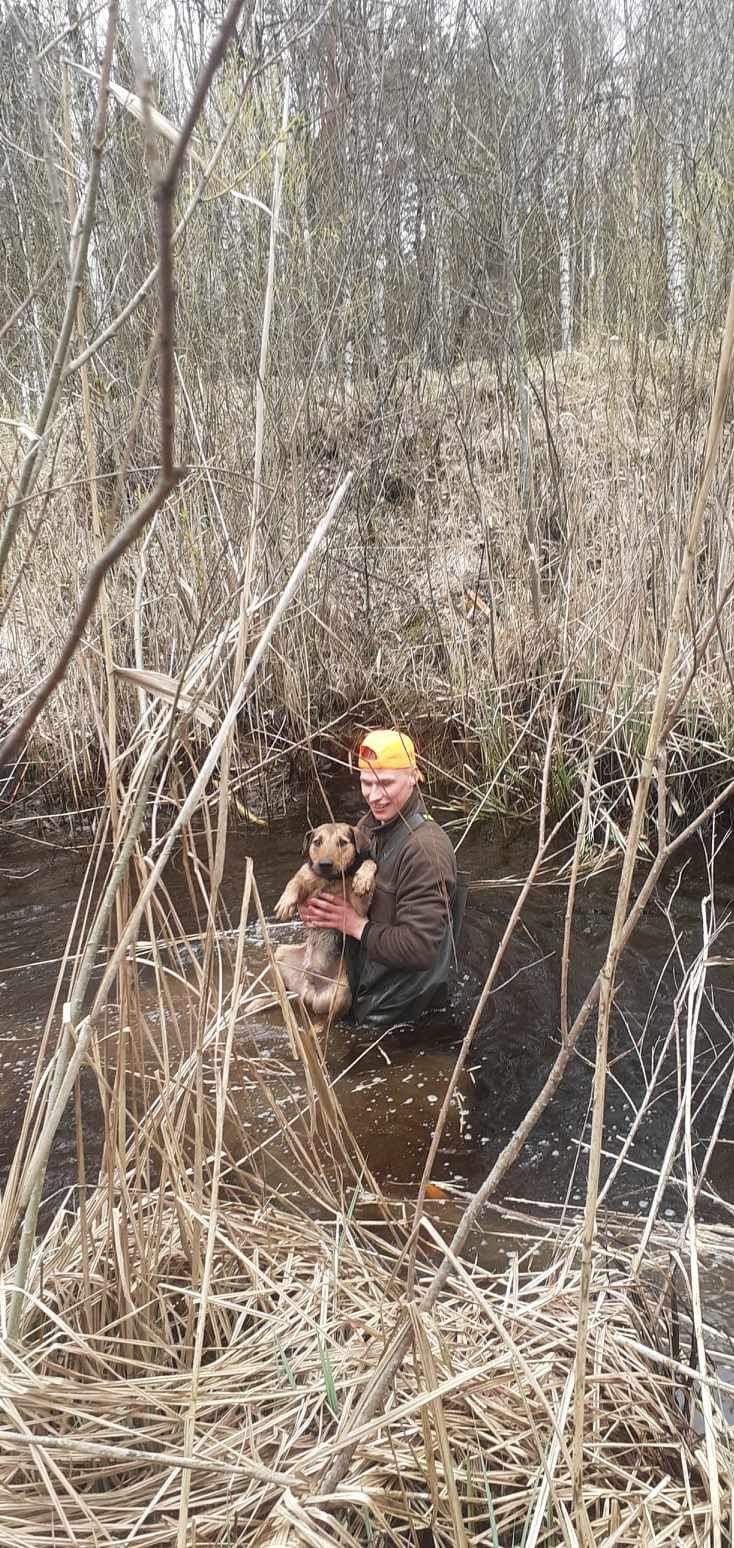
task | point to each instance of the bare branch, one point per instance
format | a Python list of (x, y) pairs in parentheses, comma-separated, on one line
[(32, 460), (170, 474)]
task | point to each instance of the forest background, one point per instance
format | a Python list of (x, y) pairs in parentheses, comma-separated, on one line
[(479, 258)]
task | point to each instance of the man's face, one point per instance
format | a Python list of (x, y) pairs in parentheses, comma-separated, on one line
[(387, 790)]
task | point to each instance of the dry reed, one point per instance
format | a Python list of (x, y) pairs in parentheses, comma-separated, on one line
[(189, 1355), (395, 620), (194, 1342), (474, 1444)]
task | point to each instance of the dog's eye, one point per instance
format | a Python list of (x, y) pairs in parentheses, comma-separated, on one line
[(317, 842), (342, 843)]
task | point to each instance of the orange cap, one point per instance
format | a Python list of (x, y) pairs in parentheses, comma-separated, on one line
[(386, 750)]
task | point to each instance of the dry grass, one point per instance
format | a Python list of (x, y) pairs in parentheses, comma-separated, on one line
[(195, 1356), (420, 604), (194, 1340), (474, 1445)]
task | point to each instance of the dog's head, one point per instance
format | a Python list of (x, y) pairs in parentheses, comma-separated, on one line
[(332, 849)]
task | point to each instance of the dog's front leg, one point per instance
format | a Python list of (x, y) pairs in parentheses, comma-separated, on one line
[(299, 888), (364, 879)]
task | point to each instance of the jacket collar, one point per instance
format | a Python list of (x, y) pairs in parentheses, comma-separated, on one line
[(413, 804)]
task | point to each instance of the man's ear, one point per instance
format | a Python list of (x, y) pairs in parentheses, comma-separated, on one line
[(307, 841)]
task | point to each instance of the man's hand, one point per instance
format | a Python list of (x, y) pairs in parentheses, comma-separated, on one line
[(328, 912)]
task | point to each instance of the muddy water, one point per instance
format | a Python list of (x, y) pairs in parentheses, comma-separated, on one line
[(391, 1092)]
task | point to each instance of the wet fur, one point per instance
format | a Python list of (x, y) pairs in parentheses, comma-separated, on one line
[(316, 970)]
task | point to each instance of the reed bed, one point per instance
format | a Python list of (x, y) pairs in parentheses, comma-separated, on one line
[(237, 1338), (189, 1356)]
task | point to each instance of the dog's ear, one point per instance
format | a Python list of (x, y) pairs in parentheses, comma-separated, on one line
[(353, 836), (307, 840)]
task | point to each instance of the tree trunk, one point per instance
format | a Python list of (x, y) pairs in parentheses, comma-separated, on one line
[(563, 213), (673, 191)]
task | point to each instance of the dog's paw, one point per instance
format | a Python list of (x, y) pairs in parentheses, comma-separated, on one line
[(332, 1001), (286, 906), (364, 879)]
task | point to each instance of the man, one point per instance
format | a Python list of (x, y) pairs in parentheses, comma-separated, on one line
[(399, 956)]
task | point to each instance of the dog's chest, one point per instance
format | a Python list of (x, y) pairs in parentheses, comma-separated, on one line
[(326, 945)]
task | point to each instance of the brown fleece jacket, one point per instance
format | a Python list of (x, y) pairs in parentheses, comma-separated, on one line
[(412, 902)]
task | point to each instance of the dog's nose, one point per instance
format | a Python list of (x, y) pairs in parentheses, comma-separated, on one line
[(325, 867)]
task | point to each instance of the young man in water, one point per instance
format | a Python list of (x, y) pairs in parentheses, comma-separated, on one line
[(399, 956)]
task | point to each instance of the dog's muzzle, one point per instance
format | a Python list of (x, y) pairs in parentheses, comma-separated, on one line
[(326, 868)]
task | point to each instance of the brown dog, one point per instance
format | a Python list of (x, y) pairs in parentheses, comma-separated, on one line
[(316, 971)]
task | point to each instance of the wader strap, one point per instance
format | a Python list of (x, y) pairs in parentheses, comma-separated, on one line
[(399, 838)]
